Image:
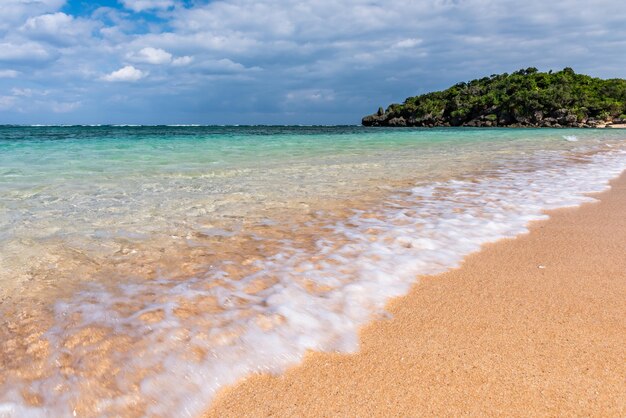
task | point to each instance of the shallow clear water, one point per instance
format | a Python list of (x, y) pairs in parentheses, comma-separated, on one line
[(144, 268)]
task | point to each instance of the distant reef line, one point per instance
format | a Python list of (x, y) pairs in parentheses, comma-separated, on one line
[(525, 98)]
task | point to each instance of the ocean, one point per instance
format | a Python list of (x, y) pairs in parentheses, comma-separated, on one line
[(143, 268)]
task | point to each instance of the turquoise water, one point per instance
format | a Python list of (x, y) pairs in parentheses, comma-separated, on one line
[(155, 179), (139, 263)]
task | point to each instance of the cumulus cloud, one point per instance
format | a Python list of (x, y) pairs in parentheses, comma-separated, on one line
[(18, 92), (64, 107), (127, 74), (25, 100), (407, 43), (58, 28), (23, 52), (143, 5), (223, 65), (182, 61), (14, 12), (7, 102), (8, 73), (151, 55), (310, 95)]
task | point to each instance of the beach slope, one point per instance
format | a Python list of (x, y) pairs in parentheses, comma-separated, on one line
[(529, 326)]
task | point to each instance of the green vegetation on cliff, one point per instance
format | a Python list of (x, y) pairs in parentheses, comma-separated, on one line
[(525, 98)]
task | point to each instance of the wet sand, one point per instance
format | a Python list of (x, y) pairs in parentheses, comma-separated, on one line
[(529, 326)]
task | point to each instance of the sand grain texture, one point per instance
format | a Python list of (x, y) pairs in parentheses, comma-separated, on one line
[(534, 326)]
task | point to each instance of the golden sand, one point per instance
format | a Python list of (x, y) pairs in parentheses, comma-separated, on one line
[(532, 326)]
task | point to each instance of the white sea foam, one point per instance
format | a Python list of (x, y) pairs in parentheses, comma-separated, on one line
[(570, 138), (375, 256)]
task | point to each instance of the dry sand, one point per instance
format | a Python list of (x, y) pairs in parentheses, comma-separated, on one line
[(530, 326)]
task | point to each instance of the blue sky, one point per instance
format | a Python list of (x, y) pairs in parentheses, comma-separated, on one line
[(279, 61)]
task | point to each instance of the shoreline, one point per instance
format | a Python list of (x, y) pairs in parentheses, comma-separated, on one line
[(533, 325)]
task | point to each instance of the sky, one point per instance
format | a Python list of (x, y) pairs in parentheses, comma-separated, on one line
[(279, 61)]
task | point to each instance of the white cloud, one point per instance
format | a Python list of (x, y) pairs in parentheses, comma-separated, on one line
[(128, 73), (23, 92), (7, 102), (14, 12), (224, 64), (58, 28), (310, 95), (48, 23), (407, 43), (182, 61), (151, 55), (23, 52), (64, 107), (8, 73), (143, 5)]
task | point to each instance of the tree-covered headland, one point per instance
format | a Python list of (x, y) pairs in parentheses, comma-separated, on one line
[(524, 98)]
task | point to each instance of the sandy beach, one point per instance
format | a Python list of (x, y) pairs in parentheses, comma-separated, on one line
[(532, 326)]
